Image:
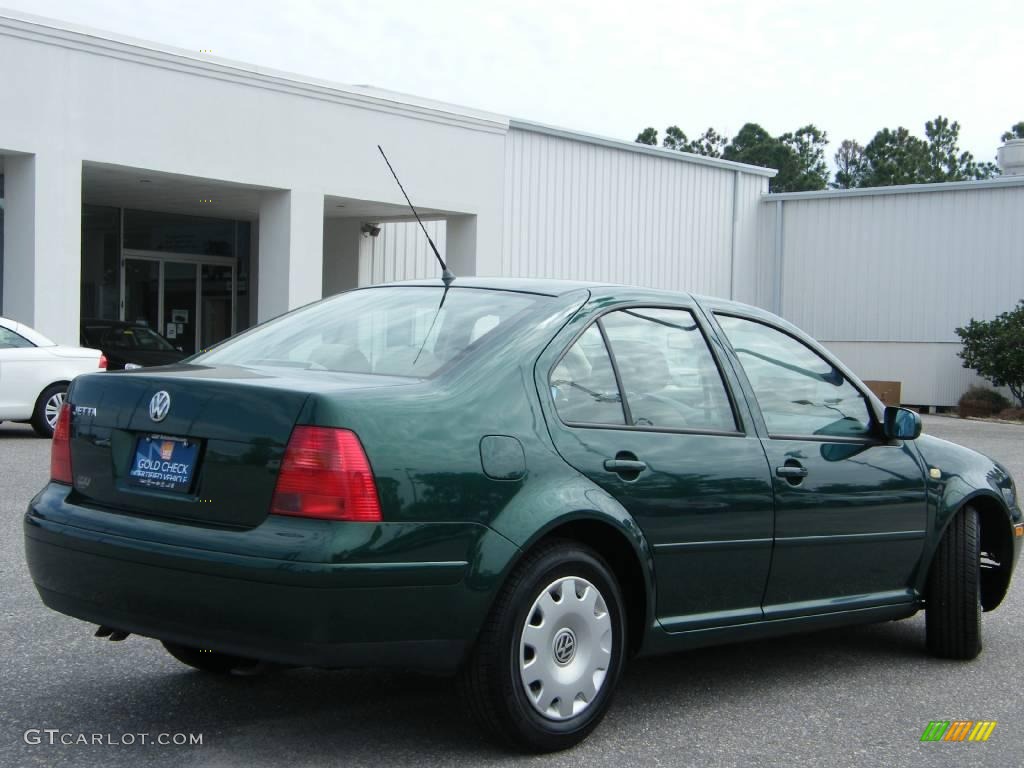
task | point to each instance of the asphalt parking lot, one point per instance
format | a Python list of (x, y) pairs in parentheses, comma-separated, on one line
[(857, 696)]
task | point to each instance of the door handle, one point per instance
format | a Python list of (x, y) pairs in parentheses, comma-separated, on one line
[(625, 465), (791, 471)]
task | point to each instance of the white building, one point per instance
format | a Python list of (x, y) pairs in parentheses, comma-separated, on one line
[(202, 195)]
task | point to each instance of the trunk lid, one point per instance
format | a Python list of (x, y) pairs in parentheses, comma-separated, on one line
[(237, 420)]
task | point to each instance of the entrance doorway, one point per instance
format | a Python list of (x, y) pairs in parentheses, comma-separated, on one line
[(188, 299)]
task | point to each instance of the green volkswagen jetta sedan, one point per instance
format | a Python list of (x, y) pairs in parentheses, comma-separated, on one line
[(525, 482)]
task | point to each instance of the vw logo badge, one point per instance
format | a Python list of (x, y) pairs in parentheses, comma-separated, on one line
[(159, 406), (564, 646)]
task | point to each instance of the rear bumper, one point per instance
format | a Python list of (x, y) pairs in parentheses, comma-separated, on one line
[(380, 595)]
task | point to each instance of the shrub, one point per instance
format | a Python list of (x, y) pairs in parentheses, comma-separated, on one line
[(1012, 414), (982, 401), (995, 349)]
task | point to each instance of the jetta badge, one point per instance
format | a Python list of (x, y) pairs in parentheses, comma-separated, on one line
[(159, 406)]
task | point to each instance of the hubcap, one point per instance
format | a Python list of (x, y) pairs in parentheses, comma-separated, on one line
[(566, 648), (52, 409)]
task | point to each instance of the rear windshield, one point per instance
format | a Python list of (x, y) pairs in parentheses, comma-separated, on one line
[(391, 331), (137, 337)]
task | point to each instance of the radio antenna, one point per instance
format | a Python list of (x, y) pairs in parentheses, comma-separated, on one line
[(446, 274)]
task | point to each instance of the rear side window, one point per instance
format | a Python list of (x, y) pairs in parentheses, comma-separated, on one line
[(668, 375), (583, 383), (10, 340), (667, 370), (799, 392)]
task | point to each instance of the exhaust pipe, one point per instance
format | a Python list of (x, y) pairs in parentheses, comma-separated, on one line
[(114, 635)]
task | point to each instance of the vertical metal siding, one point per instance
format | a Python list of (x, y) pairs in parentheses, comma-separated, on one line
[(401, 252), (885, 279), (905, 267), (579, 210)]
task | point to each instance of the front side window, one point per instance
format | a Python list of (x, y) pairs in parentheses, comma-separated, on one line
[(668, 373), (799, 392), (11, 340), (583, 383)]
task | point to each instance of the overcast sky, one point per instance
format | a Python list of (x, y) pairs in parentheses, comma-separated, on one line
[(612, 68)]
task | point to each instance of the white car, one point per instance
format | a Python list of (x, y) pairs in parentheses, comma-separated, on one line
[(35, 373)]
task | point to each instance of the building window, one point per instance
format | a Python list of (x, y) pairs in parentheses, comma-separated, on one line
[(177, 233)]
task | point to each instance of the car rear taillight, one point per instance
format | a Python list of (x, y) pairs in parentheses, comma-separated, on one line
[(325, 474), (60, 448), (103, 361)]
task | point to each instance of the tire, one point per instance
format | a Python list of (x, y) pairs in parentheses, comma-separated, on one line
[(48, 404), (953, 607), (589, 639), (208, 661)]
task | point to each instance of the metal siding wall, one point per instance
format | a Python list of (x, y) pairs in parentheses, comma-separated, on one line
[(401, 252), (754, 264), (906, 267), (579, 210), (884, 280)]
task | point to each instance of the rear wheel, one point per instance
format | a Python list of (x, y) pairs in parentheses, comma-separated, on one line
[(48, 405), (542, 674), (209, 661), (953, 609)]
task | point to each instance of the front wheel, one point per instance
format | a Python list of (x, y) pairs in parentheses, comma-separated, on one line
[(953, 608), (543, 671)]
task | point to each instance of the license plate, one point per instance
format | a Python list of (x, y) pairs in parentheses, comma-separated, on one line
[(166, 463)]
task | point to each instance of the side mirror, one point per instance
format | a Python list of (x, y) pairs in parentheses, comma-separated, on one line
[(901, 424)]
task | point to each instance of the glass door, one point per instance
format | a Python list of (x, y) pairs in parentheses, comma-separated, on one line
[(215, 318), (179, 316), (142, 292), (189, 301)]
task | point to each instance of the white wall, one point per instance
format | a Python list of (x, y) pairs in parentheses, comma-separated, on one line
[(81, 97)]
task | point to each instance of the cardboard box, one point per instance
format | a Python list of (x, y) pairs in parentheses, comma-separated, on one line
[(887, 391)]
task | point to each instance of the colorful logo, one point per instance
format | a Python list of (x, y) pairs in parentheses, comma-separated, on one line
[(166, 450), (958, 730)]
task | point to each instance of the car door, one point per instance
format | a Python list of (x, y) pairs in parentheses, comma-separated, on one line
[(640, 406), (850, 506), (18, 359)]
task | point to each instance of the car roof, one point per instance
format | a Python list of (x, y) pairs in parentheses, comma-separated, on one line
[(27, 332), (553, 287)]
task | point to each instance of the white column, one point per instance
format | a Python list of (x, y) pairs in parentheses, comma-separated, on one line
[(43, 243), (461, 245), (291, 251), (341, 255)]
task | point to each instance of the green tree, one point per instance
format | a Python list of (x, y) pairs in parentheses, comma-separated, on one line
[(710, 144), (675, 139), (895, 157), (850, 165), (754, 145), (945, 160), (647, 136), (995, 349), (1016, 132), (809, 144)]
